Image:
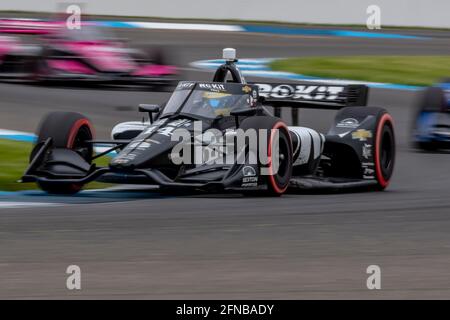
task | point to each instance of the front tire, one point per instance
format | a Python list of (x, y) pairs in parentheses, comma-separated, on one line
[(278, 177), (68, 130)]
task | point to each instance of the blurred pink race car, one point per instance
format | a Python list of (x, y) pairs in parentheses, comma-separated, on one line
[(87, 55)]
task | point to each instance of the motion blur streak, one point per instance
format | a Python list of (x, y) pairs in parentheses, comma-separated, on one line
[(297, 246)]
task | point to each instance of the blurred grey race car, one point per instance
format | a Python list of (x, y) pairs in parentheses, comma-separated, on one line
[(358, 152)]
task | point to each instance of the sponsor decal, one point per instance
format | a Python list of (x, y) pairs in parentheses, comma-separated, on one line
[(166, 131), (216, 87), (341, 135), (299, 92), (348, 123), (215, 95), (249, 182), (248, 171), (362, 134), (246, 89), (368, 173), (133, 149), (367, 151), (180, 123), (185, 85), (368, 170), (249, 177)]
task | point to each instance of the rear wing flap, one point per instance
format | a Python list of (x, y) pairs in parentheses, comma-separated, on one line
[(312, 95)]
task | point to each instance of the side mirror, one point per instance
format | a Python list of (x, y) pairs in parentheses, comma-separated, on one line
[(150, 109)]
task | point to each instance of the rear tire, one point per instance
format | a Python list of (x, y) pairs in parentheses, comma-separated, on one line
[(68, 130), (384, 156)]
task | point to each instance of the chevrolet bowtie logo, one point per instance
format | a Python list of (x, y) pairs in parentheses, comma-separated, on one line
[(246, 89), (361, 134)]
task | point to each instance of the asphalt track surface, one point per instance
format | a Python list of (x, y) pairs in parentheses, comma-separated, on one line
[(145, 245)]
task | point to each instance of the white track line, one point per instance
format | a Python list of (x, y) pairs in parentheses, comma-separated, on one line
[(186, 26), (23, 204)]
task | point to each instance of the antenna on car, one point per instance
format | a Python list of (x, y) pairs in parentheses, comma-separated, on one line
[(229, 55)]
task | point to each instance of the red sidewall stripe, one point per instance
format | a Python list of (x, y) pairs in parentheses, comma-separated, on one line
[(74, 130), (272, 181), (70, 141), (384, 118)]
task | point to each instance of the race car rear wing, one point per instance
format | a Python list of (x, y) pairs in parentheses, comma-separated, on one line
[(312, 95)]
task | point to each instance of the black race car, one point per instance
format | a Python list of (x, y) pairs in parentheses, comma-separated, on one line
[(204, 139)]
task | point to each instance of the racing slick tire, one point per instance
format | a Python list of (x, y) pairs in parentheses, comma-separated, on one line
[(384, 156), (68, 130), (277, 180)]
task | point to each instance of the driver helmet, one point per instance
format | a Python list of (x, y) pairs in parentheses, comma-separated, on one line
[(220, 102)]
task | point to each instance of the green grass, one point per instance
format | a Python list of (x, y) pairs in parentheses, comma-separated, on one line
[(14, 160), (409, 70)]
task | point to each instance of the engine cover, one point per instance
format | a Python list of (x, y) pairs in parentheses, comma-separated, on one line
[(307, 146)]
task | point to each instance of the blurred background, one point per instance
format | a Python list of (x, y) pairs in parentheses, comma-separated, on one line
[(103, 58)]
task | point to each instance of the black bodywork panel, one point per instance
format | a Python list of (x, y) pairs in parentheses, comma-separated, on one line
[(145, 158)]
